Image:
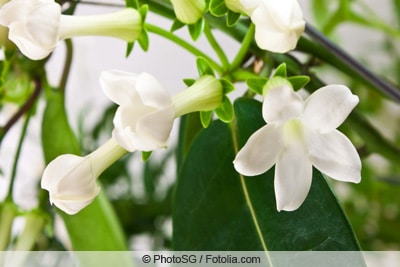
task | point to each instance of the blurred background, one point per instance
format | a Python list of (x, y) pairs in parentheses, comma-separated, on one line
[(141, 193)]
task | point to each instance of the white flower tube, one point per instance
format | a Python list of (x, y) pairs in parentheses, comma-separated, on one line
[(279, 24), (71, 180), (189, 11), (36, 26), (298, 135)]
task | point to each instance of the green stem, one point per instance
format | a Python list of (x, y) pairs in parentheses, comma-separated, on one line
[(8, 211), (184, 44), (17, 155), (244, 49), (67, 66), (214, 44)]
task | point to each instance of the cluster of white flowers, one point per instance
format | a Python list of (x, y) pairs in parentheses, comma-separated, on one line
[(298, 133)]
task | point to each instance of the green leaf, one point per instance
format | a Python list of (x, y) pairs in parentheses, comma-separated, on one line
[(176, 25), (144, 40), (218, 8), (225, 110), (95, 227), (227, 86), (257, 85), (205, 118), (132, 3), (203, 67), (146, 155), (281, 71), (189, 82), (232, 18), (215, 208), (129, 48), (299, 82), (196, 29), (57, 135)]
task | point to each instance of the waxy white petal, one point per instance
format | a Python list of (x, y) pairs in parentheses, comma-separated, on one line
[(333, 154), (119, 87), (279, 24), (281, 103), (152, 92), (70, 182), (293, 177), (328, 107), (260, 152)]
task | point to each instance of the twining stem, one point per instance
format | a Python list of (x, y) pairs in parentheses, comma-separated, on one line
[(17, 155), (385, 87), (24, 108), (184, 44), (214, 44), (67, 66), (244, 49)]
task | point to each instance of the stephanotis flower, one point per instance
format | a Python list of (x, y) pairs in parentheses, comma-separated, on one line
[(143, 122), (298, 135), (71, 180), (189, 11), (36, 26), (146, 111), (278, 24)]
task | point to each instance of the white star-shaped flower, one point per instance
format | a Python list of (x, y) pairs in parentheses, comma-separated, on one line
[(298, 135)]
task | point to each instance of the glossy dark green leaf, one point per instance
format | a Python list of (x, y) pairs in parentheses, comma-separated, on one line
[(95, 227), (217, 209)]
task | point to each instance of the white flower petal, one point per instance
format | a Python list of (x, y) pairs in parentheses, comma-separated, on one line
[(279, 25), (333, 154), (260, 152), (42, 24), (250, 5), (70, 182), (157, 126), (281, 104), (328, 107), (293, 177), (119, 86), (152, 92)]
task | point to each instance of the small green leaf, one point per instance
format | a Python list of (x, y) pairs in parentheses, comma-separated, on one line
[(196, 29), (203, 67), (280, 71), (129, 48), (257, 85), (225, 110), (189, 82), (132, 3), (218, 8), (143, 12), (205, 118), (144, 40), (227, 86), (232, 18), (176, 25), (146, 155), (299, 82)]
